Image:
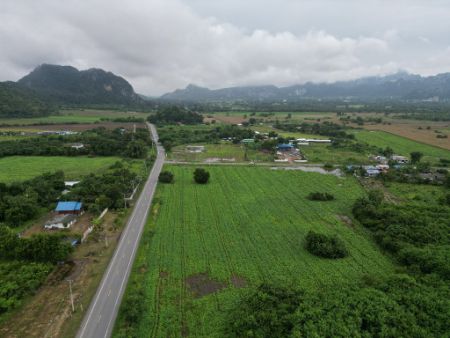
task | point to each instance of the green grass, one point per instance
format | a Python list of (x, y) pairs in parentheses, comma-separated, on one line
[(401, 145), (19, 168), (417, 192), (249, 222), (72, 116), (223, 150), (324, 153)]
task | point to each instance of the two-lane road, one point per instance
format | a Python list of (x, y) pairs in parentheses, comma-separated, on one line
[(101, 315)]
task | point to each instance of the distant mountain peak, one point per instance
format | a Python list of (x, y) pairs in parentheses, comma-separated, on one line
[(68, 85)]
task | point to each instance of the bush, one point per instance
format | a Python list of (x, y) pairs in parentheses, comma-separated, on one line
[(201, 176), (325, 246), (328, 166), (166, 177), (320, 196)]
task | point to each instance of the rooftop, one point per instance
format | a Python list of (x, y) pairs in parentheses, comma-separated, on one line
[(68, 206)]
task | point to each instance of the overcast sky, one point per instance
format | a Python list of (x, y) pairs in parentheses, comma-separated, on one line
[(161, 45)]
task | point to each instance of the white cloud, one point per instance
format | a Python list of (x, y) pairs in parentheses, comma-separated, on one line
[(159, 45)]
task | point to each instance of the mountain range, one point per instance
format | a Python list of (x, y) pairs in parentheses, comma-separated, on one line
[(399, 86)]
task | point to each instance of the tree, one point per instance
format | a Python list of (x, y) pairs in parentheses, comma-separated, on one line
[(416, 156), (325, 246), (166, 177), (136, 149), (388, 152), (201, 176)]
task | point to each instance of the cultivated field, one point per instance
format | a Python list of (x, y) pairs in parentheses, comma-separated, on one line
[(20, 168), (73, 116), (204, 243), (401, 145), (411, 130)]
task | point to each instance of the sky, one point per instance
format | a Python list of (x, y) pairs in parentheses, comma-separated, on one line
[(162, 45)]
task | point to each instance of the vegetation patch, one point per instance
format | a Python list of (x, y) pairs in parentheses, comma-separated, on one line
[(326, 246)]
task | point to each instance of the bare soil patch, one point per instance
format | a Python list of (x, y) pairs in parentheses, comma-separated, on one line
[(238, 281), (346, 220), (202, 284), (163, 274)]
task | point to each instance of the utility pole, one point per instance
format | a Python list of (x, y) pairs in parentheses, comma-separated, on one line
[(71, 295)]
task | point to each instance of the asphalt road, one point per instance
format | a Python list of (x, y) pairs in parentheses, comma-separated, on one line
[(101, 315)]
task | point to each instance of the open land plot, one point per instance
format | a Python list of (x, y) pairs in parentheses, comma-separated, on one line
[(401, 145), (20, 168), (73, 116), (241, 116), (204, 243), (221, 152), (416, 193), (324, 153), (421, 131), (72, 126)]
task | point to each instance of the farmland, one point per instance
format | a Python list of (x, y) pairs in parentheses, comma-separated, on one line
[(246, 226), (401, 145), (73, 116), (19, 168)]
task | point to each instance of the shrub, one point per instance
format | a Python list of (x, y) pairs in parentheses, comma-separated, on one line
[(166, 177), (325, 246), (320, 196), (201, 176), (328, 166)]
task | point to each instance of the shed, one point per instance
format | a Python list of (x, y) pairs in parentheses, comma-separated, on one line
[(285, 147), (69, 207), (60, 222)]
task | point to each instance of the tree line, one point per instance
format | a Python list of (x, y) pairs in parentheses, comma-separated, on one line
[(97, 142)]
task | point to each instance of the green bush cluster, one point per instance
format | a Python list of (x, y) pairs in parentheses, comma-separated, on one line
[(326, 246)]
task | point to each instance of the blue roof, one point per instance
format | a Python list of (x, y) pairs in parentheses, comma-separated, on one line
[(68, 206), (285, 146)]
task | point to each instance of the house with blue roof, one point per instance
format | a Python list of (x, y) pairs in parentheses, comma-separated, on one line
[(285, 147), (69, 207)]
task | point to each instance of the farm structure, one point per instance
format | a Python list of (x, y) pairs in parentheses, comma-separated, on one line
[(61, 222), (69, 207)]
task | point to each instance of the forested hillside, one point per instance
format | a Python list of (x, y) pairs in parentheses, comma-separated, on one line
[(17, 101)]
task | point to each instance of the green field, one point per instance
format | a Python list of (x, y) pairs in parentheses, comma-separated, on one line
[(19, 168), (323, 153), (224, 150), (401, 145), (244, 227), (72, 116)]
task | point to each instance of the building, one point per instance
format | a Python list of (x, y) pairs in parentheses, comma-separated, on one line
[(247, 140), (77, 146), (372, 172), (61, 222), (69, 207), (70, 184), (285, 147), (313, 140), (399, 159)]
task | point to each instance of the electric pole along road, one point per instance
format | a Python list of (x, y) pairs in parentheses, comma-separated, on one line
[(101, 315)]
